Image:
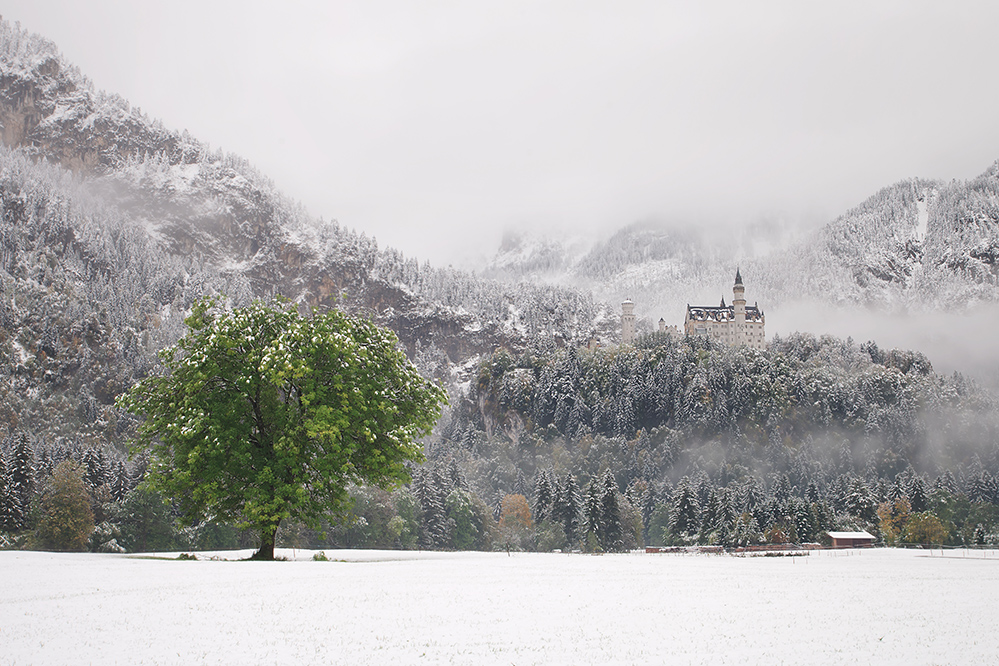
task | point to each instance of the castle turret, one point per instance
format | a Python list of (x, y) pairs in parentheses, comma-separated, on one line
[(739, 309), (627, 322)]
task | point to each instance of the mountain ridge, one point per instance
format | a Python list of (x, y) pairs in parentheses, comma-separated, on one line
[(107, 211), (918, 245)]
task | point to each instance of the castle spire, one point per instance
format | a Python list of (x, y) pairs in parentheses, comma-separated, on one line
[(738, 276)]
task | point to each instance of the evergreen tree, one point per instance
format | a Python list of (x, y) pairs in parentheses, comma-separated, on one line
[(946, 482), (917, 494), (567, 507), (684, 520), (747, 531), (433, 516), (709, 516), (520, 484), (804, 524), (611, 532), (593, 510), (119, 481), (145, 522), (812, 492), (5, 497), (859, 502), (544, 495), (455, 476), (21, 484)]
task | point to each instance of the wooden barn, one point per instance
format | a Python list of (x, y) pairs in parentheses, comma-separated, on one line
[(851, 539)]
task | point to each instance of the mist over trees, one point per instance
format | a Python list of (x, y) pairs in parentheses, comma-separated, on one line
[(713, 444)]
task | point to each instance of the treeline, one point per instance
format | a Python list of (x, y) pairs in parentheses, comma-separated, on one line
[(712, 444)]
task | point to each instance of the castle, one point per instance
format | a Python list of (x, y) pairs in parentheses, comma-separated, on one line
[(736, 324)]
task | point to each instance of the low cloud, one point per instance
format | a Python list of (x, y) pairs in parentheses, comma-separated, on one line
[(963, 343)]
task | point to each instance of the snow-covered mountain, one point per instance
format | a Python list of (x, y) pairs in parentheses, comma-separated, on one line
[(917, 246), (112, 224)]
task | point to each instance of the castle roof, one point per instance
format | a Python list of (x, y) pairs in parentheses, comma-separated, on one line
[(725, 314)]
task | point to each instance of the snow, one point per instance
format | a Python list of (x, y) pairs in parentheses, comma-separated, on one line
[(868, 606), (850, 535), (23, 356), (923, 216)]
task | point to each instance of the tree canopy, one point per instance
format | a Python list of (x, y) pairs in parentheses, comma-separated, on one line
[(263, 414)]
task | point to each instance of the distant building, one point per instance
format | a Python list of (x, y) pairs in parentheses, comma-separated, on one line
[(734, 324), (627, 322), (663, 328), (851, 539)]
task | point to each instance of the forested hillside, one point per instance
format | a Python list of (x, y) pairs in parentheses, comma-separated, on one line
[(823, 429), (112, 225)]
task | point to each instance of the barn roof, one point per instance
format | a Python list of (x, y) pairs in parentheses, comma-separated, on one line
[(850, 535)]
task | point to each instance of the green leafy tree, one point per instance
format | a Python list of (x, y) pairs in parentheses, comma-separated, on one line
[(265, 415), (66, 519), (925, 528)]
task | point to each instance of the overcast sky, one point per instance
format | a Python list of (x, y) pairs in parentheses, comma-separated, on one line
[(435, 125)]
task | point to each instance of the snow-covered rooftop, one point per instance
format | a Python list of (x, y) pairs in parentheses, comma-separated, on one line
[(850, 535)]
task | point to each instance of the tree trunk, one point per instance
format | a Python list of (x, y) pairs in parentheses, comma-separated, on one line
[(266, 551)]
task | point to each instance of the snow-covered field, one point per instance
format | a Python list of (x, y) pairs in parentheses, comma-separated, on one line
[(869, 607)]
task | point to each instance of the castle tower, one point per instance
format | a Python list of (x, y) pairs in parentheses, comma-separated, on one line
[(627, 322), (739, 310)]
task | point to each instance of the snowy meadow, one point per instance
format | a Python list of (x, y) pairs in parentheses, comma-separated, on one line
[(380, 607)]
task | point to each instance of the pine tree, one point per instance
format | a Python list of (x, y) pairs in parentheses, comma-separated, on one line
[(684, 520), (709, 515), (119, 481), (593, 510), (567, 507), (455, 476), (747, 531), (804, 525), (21, 484), (611, 533), (946, 482), (520, 484), (433, 515), (544, 495), (5, 497), (917, 494), (93, 468), (859, 502)]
